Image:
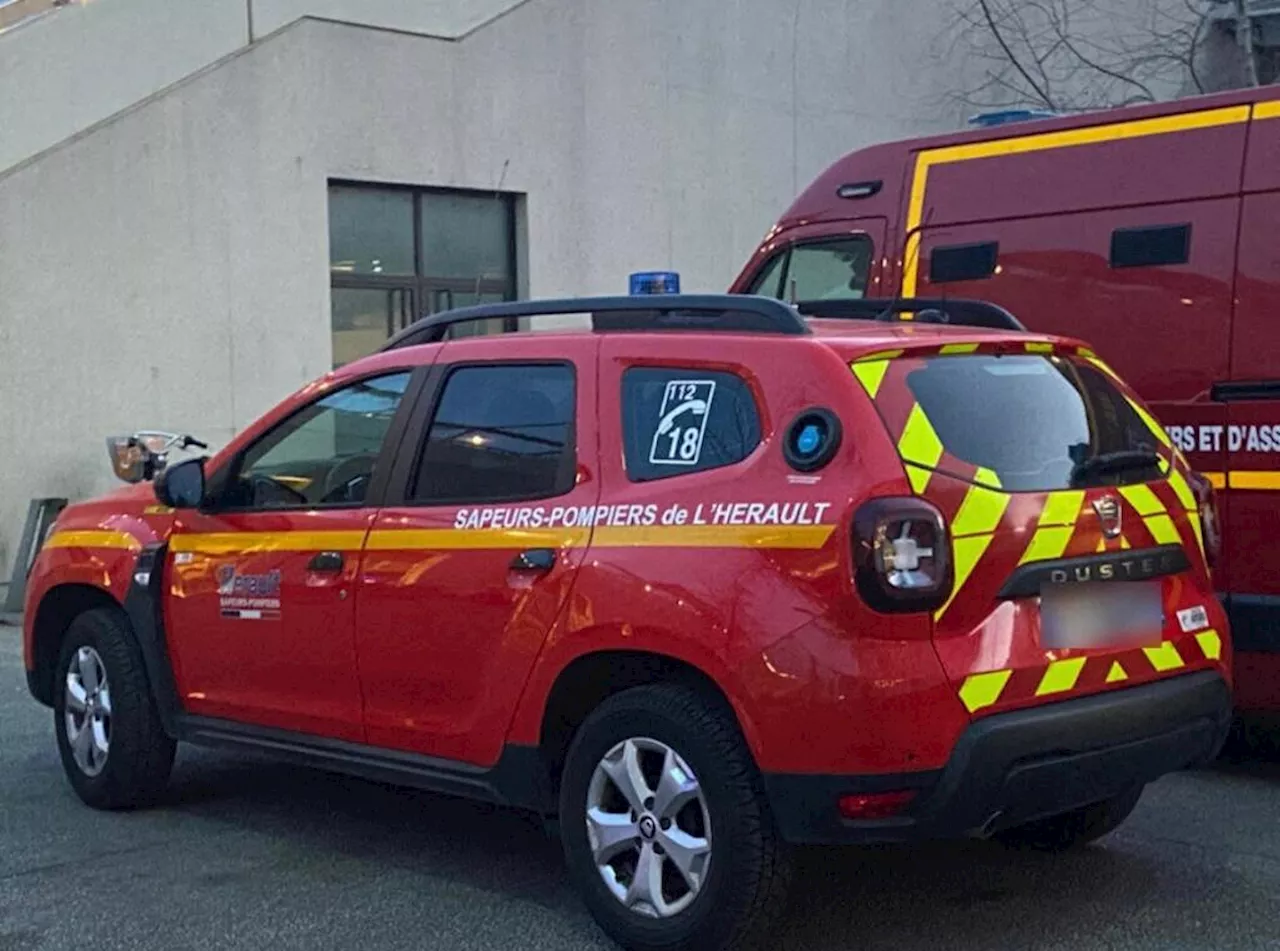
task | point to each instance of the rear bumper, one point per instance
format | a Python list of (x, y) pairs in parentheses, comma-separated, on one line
[(1011, 768)]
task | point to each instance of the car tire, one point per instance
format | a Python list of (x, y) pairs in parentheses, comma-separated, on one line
[(1072, 829), (114, 749), (745, 871)]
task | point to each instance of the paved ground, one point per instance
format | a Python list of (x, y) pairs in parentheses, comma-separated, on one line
[(252, 855)]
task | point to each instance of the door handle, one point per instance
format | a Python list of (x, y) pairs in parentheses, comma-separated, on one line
[(326, 561), (534, 559)]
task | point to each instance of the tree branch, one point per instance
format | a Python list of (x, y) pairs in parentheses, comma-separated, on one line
[(1014, 61)]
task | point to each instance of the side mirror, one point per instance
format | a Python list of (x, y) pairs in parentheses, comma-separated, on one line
[(181, 486), (130, 460)]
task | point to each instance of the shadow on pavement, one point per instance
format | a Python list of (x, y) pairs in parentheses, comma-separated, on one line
[(967, 894)]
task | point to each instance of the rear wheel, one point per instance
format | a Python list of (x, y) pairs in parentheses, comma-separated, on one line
[(666, 830), (114, 749), (1073, 829)]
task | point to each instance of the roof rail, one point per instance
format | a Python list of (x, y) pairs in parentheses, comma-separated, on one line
[(735, 313), (969, 313)]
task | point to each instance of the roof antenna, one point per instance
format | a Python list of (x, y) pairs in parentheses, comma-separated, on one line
[(497, 197)]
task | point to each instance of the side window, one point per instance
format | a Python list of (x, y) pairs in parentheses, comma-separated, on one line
[(324, 454), (820, 270), (679, 421), (768, 282), (501, 433)]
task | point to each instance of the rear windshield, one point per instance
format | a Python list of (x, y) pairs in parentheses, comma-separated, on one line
[(1039, 423)]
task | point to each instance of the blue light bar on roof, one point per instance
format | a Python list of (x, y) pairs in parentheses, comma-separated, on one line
[(655, 282)]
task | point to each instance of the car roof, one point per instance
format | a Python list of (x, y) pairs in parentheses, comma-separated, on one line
[(851, 339)]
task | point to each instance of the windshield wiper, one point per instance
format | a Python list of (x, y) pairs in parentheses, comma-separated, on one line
[(1120, 461)]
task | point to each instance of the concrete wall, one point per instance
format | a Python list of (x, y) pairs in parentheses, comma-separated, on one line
[(448, 19), (170, 267), (75, 66)]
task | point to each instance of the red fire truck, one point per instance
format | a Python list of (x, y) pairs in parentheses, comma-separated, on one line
[(1150, 232)]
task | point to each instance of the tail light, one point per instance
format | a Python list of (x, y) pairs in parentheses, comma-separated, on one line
[(1210, 525), (901, 556)]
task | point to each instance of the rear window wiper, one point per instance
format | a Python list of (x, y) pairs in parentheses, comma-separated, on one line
[(1120, 461)]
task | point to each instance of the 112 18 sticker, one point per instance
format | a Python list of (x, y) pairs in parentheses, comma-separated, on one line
[(682, 423)]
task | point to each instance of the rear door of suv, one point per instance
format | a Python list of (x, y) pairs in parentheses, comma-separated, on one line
[(473, 559), (1077, 541)]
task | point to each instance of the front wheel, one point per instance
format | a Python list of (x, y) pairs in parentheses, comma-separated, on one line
[(667, 834), (114, 749), (1075, 828)]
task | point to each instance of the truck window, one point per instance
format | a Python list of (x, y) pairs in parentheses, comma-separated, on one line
[(818, 270)]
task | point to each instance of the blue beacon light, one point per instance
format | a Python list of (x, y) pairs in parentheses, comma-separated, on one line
[(655, 282)]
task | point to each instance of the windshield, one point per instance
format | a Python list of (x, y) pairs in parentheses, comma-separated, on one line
[(1039, 423)]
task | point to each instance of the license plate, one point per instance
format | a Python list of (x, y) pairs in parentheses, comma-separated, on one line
[(1101, 614)]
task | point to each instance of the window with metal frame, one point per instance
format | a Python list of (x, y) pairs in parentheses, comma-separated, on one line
[(400, 253), (827, 269)]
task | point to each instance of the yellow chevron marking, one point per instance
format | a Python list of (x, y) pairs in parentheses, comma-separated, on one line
[(1117, 673), (1054, 528), (882, 355), (1156, 429), (968, 551), (980, 512), (1047, 544), (1165, 657), (1062, 508), (1162, 530), (919, 442), (919, 478), (953, 348), (983, 690), (1186, 498), (1060, 676), (1210, 643), (1193, 519), (1143, 499), (870, 374)]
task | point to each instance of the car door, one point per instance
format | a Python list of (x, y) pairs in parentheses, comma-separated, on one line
[(465, 575), (260, 614)]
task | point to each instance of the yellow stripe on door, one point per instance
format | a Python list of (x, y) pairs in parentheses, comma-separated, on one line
[(93, 539)]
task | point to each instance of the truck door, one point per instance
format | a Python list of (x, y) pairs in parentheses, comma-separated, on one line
[(1251, 504)]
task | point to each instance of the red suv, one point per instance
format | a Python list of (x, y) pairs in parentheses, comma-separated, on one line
[(719, 577)]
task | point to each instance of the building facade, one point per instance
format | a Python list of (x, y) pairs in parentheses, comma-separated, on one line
[(205, 205)]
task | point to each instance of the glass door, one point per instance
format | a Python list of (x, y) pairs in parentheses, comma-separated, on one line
[(364, 317)]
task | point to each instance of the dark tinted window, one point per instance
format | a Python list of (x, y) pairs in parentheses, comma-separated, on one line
[(963, 262), (1150, 247), (501, 432), (1028, 419), (681, 421)]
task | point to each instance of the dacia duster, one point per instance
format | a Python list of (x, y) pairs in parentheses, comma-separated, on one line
[(718, 577)]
